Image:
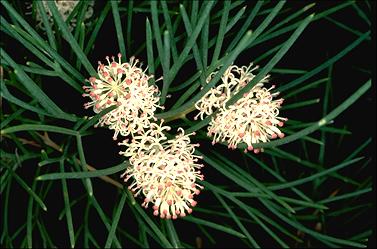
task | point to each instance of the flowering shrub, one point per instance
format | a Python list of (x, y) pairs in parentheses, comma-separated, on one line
[(311, 186)]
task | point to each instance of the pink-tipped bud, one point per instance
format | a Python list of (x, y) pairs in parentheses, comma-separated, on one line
[(281, 135), (250, 148)]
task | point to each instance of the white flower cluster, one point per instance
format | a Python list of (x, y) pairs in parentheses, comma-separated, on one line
[(164, 170), (65, 8), (252, 119), (124, 85)]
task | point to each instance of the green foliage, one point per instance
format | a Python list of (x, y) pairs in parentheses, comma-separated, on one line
[(298, 183)]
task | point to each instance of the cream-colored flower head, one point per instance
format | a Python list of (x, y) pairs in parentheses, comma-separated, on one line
[(126, 86), (164, 170), (65, 8), (252, 119)]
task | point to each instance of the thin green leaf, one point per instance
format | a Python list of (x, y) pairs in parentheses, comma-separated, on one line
[(35, 91), (314, 176), (167, 48), (188, 28), (83, 164), (150, 57), (189, 44), (153, 226), (214, 226), (37, 127), (67, 206), (169, 27), (116, 218), (300, 104), (235, 19), (333, 114), (70, 39), (118, 27), (221, 32), (6, 95), (96, 29), (80, 175), (236, 220), (129, 23), (271, 206), (28, 189), (324, 65), (304, 88), (204, 43), (103, 217), (187, 83), (157, 35), (346, 196), (225, 169), (173, 234), (287, 45), (250, 17)]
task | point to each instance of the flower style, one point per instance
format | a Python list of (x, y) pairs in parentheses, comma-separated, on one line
[(252, 119), (164, 170), (126, 86), (65, 8)]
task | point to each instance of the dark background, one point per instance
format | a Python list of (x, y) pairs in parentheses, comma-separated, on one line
[(320, 41)]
